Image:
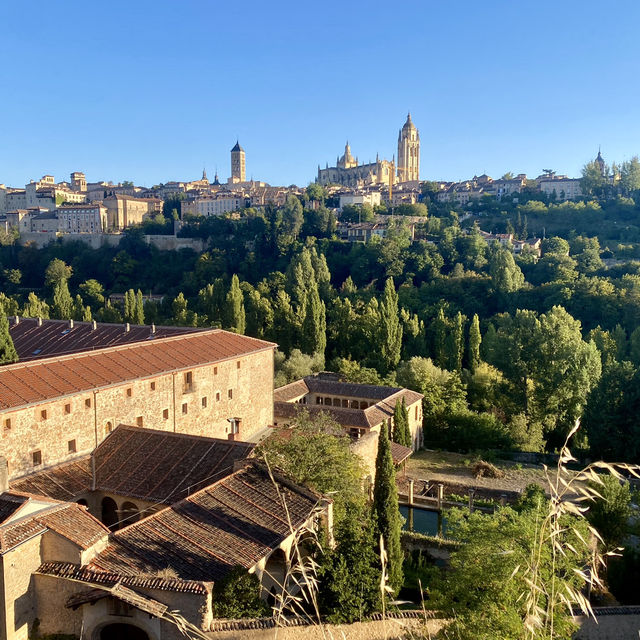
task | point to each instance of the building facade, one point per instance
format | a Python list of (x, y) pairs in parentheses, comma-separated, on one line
[(408, 152), (238, 164), (82, 218)]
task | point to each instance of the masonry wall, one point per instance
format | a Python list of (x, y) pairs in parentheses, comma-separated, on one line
[(415, 424), (237, 388), (18, 605)]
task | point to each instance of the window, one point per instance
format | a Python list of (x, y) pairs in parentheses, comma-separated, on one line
[(7, 424), (215, 371), (36, 456), (204, 402), (188, 382), (153, 386), (238, 364), (185, 408), (416, 412), (230, 394), (108, 428), (139, 421), (129, 392), (165, 414), (71, 446), (217, 396), (43, 414), (87, 403)]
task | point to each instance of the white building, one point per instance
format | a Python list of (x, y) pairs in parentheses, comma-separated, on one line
[(564, 188), (214, 205), (82, 218), (372, 198)]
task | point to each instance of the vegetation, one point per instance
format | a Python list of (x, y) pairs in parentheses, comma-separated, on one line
[(237, 595)]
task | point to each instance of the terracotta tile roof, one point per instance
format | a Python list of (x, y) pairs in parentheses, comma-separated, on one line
[(56, 337), (63, 482), (237, 521), (9, 504), (331, 384), (26, 383), (149, 464), (399, 453), (69, 520), (291, 391), (119, 591), (162, 466), (85, 574)]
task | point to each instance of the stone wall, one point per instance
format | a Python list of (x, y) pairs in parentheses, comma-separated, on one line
[(366, 447), (240, 387)]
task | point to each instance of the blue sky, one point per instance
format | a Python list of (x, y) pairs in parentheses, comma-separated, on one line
[(154, 90)]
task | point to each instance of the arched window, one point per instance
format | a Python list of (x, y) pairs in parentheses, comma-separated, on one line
[(129, 514)]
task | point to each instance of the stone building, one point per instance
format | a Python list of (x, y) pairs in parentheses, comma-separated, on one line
[(82, 218), (238, 164), (349, 172), (211, 383), (124, 211)]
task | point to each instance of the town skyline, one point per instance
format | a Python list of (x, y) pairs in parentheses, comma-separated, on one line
[(481, 92)]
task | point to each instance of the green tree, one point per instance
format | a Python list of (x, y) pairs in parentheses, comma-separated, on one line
[(455, 344), (386, 514), (630, 176), (235, 312), (593, 182), (237, 595), (8, 353), (56, 272), (439, 330), (34, 307), (475, 340), (314, 325), (62, 306), (506, 275), (401, 432), (390, 327), (92, 292), (610, 513), (139, 308)]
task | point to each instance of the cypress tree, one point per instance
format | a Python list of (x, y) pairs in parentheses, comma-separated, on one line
[(236, 318), (390, 327), (129, 306), (314, 325), (8, 353), (139, 309), (455, 344), (439, 328), (386, 513), (62, 301), (475, 340), (401, 432)]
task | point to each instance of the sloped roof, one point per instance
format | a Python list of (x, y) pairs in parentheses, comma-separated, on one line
[(119, 591), (9, 504), (291, 391), (35, 341), (148, 464), (237, 521), (400, 453), (26, 383), (237, 147)]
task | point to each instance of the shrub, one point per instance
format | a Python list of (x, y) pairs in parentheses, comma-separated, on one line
[(238, 596)]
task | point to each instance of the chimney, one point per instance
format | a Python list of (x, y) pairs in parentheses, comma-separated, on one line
[(94, 325), (16, 320), (127, 328), (4, 475), (71, 324), (153, 329), (39, 321)]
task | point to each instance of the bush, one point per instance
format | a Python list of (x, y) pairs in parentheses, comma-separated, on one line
[(466, 431), (238, 596)]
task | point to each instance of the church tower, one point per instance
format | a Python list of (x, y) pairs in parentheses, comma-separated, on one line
[(408, 152), (238, 168)]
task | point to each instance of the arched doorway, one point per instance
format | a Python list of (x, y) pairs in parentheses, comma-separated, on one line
[(121, 631), (110, 513), (130, 513)]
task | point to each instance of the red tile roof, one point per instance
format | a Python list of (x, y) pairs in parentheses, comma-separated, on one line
[(57, 337), (400, 453), (237, 521), (149, 464), (27, 383)]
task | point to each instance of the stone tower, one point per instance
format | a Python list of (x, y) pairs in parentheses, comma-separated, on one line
[(238, 168), (408, 152), (78, 181)]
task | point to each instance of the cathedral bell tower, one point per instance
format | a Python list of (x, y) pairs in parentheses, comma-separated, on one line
[(238, 168), (408, 152)]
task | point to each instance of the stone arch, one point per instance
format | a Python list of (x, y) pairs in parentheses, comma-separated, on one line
[(109, 513), (129, 513), (120, 631), (83, 502)]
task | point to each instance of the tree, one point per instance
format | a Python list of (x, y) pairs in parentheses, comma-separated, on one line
[(401, 431), (292, 216), (8, 353), (35, 308), (610, 513), (296, 366), (139, 309), (56, 272), (390, 327), (92, 292), (386, 514), (455, 344), (475, 340), (593, 182), (439, 331), (314, 325), (235, 313), (62, 306), (237, 595), (630, 176), (506, 275)]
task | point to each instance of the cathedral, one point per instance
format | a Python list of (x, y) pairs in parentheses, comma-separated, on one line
[(350, 173)]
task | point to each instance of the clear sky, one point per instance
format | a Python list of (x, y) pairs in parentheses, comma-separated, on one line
[(153, 90)]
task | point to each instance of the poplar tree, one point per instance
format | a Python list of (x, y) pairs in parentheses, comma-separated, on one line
[(62, 301), (35, 308), (236, 317), (129, 305), (401, 431), (455, 344), (314, 325), (139, 308), (386, 513), (8, 353), (439, 328), (390, 327), (475, 340)]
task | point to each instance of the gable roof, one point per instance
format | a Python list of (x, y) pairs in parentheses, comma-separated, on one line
[(29, 383), (148, 464), (237, 521), (38, 339)]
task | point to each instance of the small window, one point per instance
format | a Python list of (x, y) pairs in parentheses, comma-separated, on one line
[(185, 408), (43, 414), (188, 381), (416, 412), (7, 424), (217, 396), (108, 428), (230, 394), (215, 371), (165, 414), (204, 402), (139, 421), (153, 386), (129, 392), (238, 364), (71, 446), (67, 408), (36, 456), (87, 403)]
